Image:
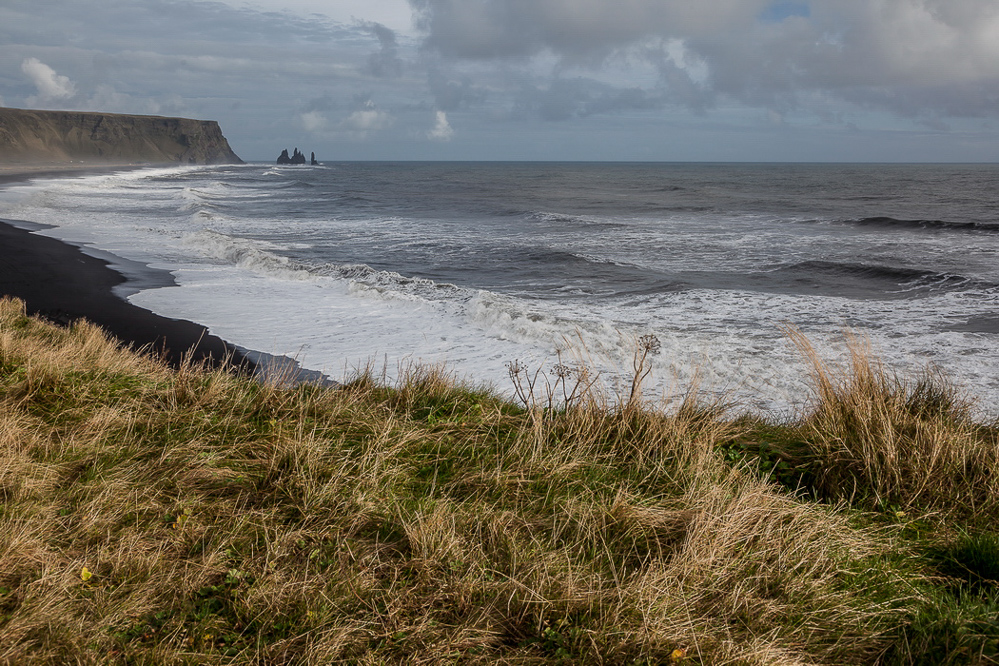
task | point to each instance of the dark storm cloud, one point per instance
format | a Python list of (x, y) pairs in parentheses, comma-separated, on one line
[(912, 57), (385, 62)]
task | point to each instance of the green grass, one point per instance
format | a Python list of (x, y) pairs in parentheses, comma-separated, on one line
[(155, 516)]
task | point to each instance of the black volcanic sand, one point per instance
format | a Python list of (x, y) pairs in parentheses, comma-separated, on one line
[(60, 283), (23, 172)]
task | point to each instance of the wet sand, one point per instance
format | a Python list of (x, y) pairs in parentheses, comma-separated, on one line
[(13, 173), (60, 283)]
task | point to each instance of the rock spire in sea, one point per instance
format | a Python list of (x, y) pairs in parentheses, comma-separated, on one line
[(295, 158)]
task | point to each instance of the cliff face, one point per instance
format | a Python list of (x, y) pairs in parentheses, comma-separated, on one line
[(28, 136)]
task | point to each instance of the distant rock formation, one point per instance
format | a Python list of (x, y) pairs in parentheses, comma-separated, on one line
[(296, 158), (30, 136)]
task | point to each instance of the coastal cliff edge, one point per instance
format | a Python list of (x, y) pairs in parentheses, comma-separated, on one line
[(53, 137)]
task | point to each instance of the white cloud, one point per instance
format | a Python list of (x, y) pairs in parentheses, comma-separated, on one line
[(442, 131), (313, 121), (51, 86), (367, 119)]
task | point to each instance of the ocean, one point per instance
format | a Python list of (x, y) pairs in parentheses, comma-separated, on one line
[(479, 265)]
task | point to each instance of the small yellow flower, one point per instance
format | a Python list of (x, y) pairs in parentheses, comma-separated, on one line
[(677, 655), (85, 574)]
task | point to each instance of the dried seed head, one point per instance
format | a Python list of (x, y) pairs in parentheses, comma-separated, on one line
[(650, 344), (562, 371)]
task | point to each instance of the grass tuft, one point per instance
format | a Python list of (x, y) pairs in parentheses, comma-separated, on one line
[(883, 441)]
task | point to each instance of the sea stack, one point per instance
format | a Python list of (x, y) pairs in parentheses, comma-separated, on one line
[(295, 158)]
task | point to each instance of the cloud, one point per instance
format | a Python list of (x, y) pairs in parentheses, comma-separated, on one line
[(650, 74), (203, 50), (385, 62), (780, 11), (141, 56), (313, 121), (580, 97), (314, 116), (106, 97), (561, 100), (912, 57), (572, 28), (451, 95), (369, 118), (51, 86), (442, 131)]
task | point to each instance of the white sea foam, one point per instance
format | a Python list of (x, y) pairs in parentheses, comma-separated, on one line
[(263, 283)]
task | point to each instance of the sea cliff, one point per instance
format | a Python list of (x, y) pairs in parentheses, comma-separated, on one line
[(32, 137)]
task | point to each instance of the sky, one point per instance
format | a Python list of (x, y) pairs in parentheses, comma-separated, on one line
[(621, 80)]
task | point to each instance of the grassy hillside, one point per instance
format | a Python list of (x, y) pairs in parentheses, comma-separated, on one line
[(156, 516)]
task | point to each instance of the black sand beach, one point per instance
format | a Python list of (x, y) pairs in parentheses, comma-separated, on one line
[(61, 283)]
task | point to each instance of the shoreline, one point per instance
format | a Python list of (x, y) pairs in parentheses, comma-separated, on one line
[(64, 282), (19, 173)]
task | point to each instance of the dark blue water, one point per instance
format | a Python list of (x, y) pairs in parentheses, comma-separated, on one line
[(856, 231)]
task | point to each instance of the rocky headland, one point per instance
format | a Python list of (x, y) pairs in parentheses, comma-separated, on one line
[(57, 137)]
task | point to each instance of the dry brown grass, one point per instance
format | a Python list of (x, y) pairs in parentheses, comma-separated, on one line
[(888, 441), (225, 521)]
